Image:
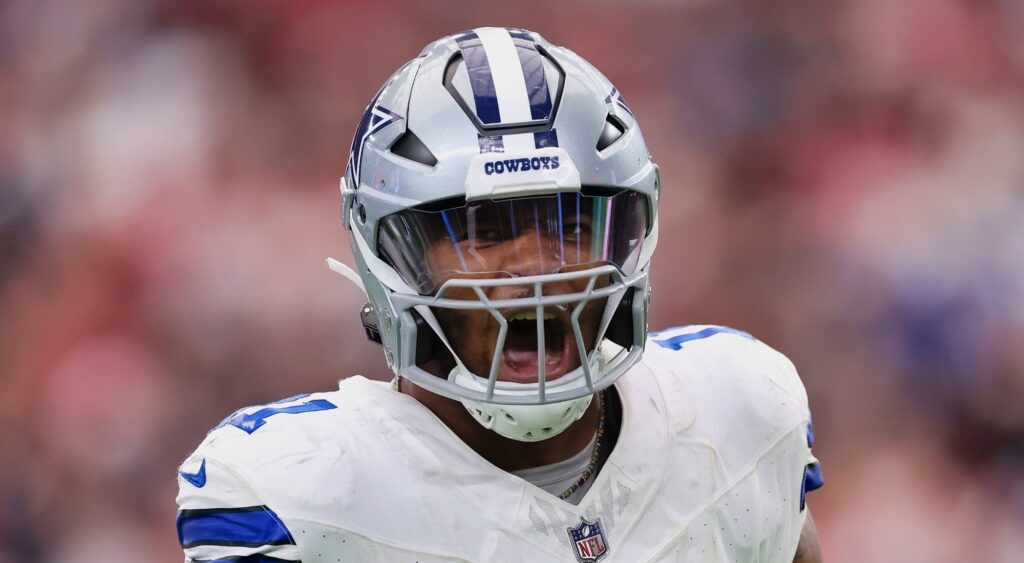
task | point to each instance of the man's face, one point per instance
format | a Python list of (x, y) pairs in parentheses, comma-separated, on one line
[(513, 239), (474, 334)]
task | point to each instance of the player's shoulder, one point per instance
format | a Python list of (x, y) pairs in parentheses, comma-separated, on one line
[(310, 423), (233, 491), (727, 368)]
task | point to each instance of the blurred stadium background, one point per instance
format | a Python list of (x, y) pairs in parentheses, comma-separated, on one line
[(843, 179)]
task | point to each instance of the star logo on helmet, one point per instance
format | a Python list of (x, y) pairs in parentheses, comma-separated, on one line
[(616, 98), (375, 118)]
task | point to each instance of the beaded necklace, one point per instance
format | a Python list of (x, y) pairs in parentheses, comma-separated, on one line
[(595, 455)]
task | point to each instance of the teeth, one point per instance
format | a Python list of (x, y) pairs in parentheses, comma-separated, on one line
[(530, 316)]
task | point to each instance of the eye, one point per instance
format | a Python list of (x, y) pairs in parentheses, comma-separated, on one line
[(487, 232), (483, 237), (576, 228)]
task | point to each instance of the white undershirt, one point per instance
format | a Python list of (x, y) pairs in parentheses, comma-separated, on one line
[(556, 477)]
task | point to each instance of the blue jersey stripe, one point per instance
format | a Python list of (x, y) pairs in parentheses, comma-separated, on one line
[(253, 421), (480, 78), (676, 342), (812, 480), (251, 526), (533, 73), (254, 558), (812, 473)]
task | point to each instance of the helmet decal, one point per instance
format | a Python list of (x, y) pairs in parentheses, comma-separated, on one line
[(375, 118), (616, 98), (533, 73), (490, 143), (508, 78), (481, 80)]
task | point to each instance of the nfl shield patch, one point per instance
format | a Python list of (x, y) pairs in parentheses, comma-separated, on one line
[(588, 541)]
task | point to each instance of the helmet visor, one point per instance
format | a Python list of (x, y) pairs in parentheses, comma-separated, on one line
[(515, 237)]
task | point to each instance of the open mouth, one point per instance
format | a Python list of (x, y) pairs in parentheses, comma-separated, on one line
[(520, 357)]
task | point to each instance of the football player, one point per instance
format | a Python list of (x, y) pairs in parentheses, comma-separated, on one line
[(502, 209)]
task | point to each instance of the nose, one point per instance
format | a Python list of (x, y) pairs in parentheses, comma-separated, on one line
[(533, 253)]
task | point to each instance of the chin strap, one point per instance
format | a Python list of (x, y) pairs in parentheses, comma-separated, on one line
[(366, 314), (346, 272)]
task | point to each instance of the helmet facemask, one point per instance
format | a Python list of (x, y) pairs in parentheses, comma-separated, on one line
[(519, 293)]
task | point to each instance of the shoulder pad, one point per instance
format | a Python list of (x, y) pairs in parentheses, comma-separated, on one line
[(733, 357)]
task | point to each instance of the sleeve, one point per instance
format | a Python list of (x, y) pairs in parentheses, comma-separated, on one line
[(221, 519), (789, 380), (799, 469)]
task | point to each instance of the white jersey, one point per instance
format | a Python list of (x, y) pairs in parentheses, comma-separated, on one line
[(709, 466)]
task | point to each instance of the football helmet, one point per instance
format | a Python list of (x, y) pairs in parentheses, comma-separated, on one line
[(500, 176)]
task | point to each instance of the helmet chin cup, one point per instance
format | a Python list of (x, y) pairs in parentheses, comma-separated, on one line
[(524, 423)]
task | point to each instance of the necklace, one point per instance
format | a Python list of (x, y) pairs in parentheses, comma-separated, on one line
[(594, 455)]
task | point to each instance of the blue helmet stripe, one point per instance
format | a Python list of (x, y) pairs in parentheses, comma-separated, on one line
[(520, 34), (533, 72), (480, 79), (543, 139)]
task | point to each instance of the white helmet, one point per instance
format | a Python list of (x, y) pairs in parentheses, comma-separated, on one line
[(499, 188)]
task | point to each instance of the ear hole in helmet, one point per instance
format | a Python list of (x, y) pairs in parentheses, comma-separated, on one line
[(369, 320), (613, 130), (410, 147), (620, 328)]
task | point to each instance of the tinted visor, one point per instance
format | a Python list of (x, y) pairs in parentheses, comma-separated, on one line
[(517, 237)]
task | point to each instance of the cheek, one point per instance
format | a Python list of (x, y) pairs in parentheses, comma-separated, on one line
[(442, 258), (444, 261), (471, 333), (591, 317), (488, 258)]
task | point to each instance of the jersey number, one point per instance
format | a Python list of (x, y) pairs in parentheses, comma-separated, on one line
[(251, 422), (676, 342)]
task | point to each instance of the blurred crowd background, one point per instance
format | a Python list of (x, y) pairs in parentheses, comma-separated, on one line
[(843, 179)]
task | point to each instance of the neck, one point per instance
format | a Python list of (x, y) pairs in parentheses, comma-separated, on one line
[(502, 452)]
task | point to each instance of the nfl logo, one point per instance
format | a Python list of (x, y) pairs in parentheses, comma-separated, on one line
[(588, 541)]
